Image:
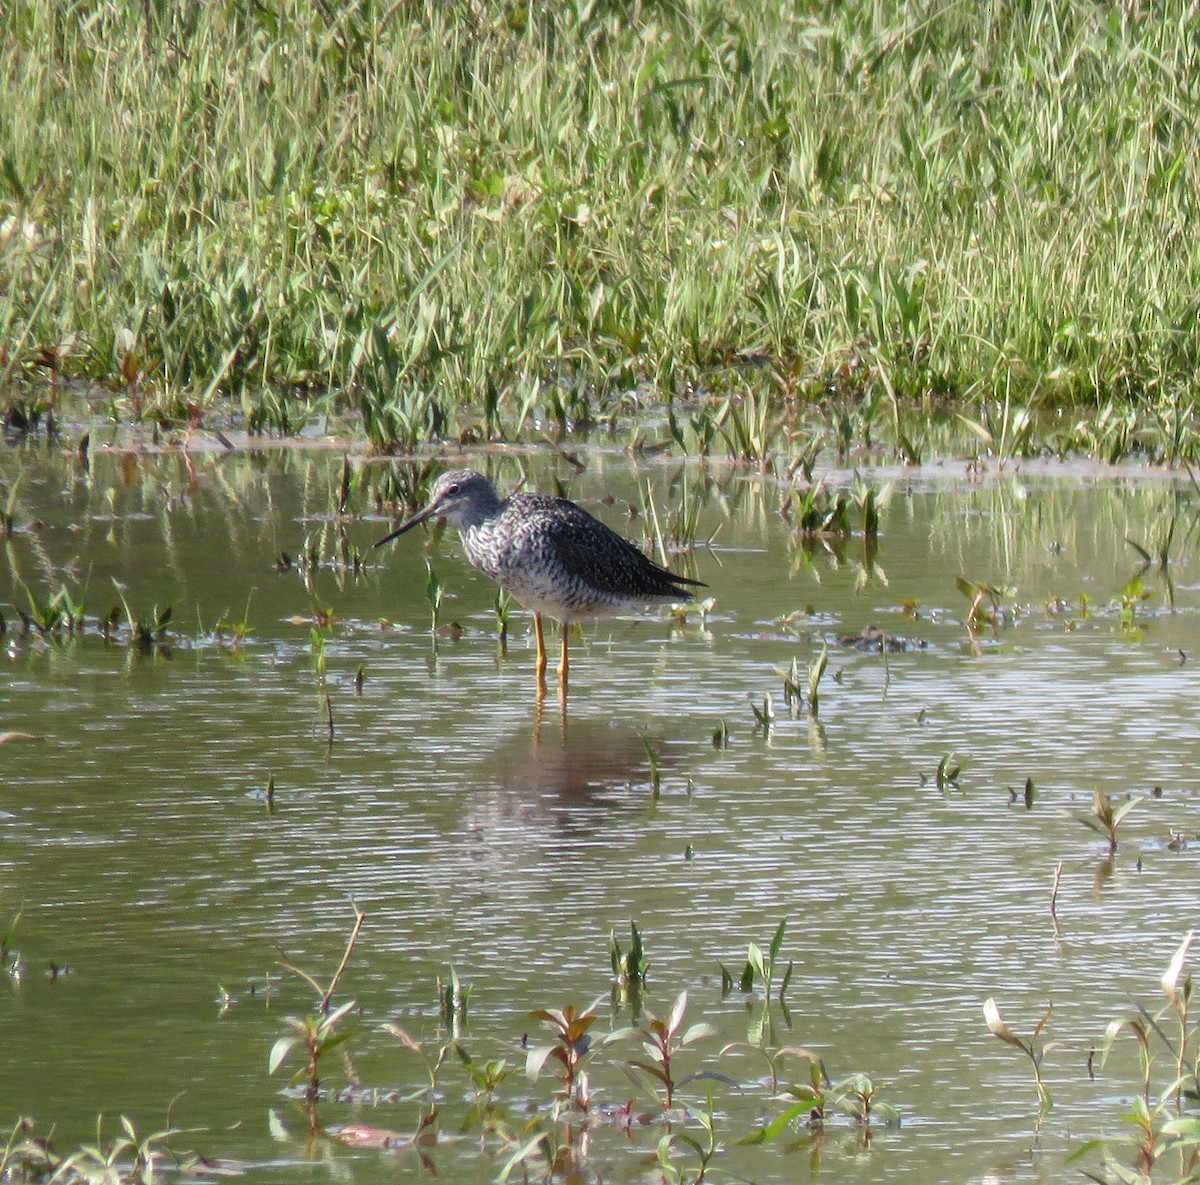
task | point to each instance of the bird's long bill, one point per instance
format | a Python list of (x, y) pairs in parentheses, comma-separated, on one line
[(416, 520)]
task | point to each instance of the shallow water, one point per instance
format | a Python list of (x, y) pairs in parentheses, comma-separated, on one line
[(479, 831)]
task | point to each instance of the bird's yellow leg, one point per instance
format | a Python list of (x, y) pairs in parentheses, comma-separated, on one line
[(562, 662), (541, 649)]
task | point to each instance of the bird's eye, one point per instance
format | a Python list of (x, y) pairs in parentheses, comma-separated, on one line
[(452, 489)]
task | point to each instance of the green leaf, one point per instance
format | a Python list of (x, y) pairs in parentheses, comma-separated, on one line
[(777, 1126), (523, 1153), (777, 941), (334, 1042), (535, 1059), (754, 960), (332, 1019), (697, 1032), (279, 1051), (1091, 821), (677, 1011), (654, 1071), (787, 979), (1124, 809), (7, 941)]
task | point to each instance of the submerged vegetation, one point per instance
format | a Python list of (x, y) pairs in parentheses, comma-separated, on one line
[(479, 222)]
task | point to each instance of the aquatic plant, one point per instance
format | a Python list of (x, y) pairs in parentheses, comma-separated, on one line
[(8, 516), (815, 1100), (764, 717), (1132, 594), (1103, 819), (705, 1150), (453, 998), (948, 772), (1031, 1046), (1165, 1122), (982, 594), (1005, 429), (750, 429), (503, 607), (816, 670), (760, 968), (818, 512), (571, 1048), (433, 594), (629, 967), (870, 499), (129, 1158), (433, 1062), (662, 1041), (655, 773), (317, 1033), (237, 631), (485, 1079), (10, 957)]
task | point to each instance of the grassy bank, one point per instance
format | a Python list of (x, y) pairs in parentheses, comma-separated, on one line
[(462, 217)]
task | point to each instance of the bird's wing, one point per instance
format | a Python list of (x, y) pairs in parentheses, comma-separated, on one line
[(608, 561)]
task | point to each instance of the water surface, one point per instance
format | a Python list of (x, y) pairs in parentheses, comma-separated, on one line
[(481, 831)]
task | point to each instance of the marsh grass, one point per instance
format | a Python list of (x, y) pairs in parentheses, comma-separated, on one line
[(477, 220)]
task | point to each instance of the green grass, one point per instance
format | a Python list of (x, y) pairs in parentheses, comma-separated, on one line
[(466, 219)]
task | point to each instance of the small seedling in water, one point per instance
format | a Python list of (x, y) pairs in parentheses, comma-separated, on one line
[(1132, 595), (316, 645), (815, 671), (503, 607), (793, 692), (629, 967), (853, 1095), (144, 632), (129, 1157), (238, 631), (1029, 796), (317, 1033), (1160, 1123), (484, 1079), (765, 716), (1103, 819), (720, 736), (759, 968), (655, 775), (433, 594), (662, 1041), (666, 1165), (948, 772), (571, 1049), (1030, 1047), (870, 500), (979, 593), (453, 998)]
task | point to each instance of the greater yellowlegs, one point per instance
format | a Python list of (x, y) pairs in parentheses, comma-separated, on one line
[(549, 554)]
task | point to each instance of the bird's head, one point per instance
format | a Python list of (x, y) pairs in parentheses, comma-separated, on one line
[(461, 496)]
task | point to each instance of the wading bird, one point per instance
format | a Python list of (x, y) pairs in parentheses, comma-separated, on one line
[(549, 554)]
